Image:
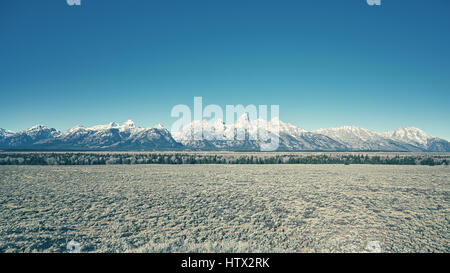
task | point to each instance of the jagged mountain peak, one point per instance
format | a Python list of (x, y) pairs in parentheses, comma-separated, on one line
[(243, 118), (40, 131), (5, 132), (409, 134), (104, 126), (38, 127), (76, 128), (159, 126), (129, 123), (410, 130)]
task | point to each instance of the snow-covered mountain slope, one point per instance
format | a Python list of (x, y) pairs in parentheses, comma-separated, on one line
[(5, 133), (419, 138), (437, 145), (245, 134), (355, 138), (409, 135), (402, 139), (111, 136), (242, 135)]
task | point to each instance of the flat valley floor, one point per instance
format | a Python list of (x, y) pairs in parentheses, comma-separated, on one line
[(225, 208)]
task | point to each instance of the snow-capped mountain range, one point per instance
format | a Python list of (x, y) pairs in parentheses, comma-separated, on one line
[(111, 136), (217, 135)]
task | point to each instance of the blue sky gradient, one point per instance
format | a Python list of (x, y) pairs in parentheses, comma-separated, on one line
[(327, 63)]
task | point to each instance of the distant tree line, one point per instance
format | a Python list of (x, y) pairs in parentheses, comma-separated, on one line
[(72, 158)]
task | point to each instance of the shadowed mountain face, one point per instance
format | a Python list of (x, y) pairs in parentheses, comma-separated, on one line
[(210, 136)]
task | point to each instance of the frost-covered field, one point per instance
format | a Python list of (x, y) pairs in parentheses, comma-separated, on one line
[(225, 208)]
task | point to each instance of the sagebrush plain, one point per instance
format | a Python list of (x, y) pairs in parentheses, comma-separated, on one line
[(225, 208)]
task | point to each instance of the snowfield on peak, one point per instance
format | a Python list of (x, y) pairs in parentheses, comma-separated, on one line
[(6, 133), (409, 134)]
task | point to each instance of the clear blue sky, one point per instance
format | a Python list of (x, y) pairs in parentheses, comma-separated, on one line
[(327, 63)]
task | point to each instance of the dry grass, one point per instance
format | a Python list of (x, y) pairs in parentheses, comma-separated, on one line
[(224, 208)]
